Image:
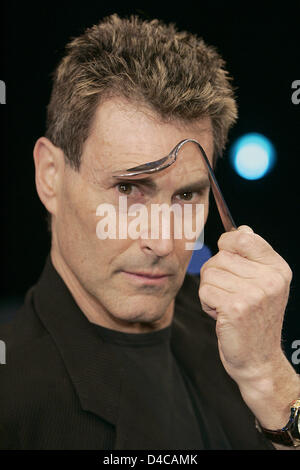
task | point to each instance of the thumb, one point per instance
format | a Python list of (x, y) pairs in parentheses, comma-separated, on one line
[(245, 228)]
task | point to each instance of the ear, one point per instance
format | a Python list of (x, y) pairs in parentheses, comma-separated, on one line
[(49, 167)]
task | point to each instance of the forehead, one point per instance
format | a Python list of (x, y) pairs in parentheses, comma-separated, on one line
[(125, 134)]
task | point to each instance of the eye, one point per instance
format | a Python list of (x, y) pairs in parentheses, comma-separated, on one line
[(125, 188), (187, 196)]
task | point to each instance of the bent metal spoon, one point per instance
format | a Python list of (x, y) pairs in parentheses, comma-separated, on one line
[(158, 165)]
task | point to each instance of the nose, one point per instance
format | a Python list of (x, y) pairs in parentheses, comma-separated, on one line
[(160, 247), (158, 236)]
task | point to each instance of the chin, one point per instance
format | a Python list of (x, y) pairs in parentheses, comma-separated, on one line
[(136, 309), (134, 315), (139, 317)]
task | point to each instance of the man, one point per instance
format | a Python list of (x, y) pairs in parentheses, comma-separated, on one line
[(115, 346)]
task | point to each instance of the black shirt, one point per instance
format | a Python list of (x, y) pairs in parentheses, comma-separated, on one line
[(155, 388), (70, 384)]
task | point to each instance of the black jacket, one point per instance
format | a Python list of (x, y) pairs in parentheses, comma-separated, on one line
[(60, 388)]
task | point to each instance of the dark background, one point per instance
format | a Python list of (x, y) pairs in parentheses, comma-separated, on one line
[(261, 46)]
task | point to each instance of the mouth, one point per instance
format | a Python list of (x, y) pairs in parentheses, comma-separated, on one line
[(145, 278)]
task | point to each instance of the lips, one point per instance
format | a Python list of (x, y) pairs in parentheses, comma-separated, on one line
[(149, 275), (146, 278)]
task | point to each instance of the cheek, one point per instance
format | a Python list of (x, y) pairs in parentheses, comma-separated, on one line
[(182, 255), (78, 207), (76, 225), (206, 207)]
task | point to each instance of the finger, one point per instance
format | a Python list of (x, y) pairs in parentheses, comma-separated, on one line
[(232, 263), (224, 280), (245, 228), (212, 299), (206, 292), (248, 244)]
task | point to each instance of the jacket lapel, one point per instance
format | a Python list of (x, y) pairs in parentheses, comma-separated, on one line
[(92, 367)]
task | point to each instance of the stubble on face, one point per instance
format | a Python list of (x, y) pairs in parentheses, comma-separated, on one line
[(95, 271)]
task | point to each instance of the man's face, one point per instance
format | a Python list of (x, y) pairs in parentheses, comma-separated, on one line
[(124, 136)]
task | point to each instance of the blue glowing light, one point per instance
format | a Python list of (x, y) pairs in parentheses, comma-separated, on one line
[(252, 156)]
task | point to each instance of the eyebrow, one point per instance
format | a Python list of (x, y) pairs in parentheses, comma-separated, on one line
[(198, 185)]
